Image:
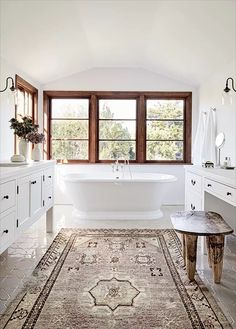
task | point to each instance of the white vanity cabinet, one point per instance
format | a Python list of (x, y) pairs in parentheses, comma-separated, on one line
[(203, 184), (26, 193)]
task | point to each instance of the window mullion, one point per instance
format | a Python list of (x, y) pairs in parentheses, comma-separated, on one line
[(93, 130), (141, 129), (187, 128)]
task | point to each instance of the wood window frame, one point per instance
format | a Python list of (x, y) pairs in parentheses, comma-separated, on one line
[(24, 85), (121, 97), (50, 118), (187, 120), (141, 98)]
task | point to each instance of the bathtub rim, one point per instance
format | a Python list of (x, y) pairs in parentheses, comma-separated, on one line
[(117, 215), (166, 178)]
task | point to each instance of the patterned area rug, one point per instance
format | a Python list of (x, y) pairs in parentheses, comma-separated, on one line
[(110, 279)]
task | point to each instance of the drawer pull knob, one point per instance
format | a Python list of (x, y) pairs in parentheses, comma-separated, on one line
[(193, 182), (34, 182), (49, 197), (229, 193), (6, 197), (49, 176), (5, 231), (209, 185), (192, 207)]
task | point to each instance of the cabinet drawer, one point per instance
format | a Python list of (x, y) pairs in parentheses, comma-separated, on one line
[(7, 195), (48, 196), (7, 226), (193, 202), (224, 191), (48, 176), (193, 182)]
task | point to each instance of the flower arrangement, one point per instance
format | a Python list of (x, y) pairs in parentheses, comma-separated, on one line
[(24, 127), (36, 138)]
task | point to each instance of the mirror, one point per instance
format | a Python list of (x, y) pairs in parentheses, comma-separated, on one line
[(220, 139)]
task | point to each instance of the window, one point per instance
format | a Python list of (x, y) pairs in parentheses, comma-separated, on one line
[(27, 99), (69, 129), (27, 102), (164, 130), (117, 129), (144, 127), (24, 103)]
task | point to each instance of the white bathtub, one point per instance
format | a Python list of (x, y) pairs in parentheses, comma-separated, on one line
[(103, 196)]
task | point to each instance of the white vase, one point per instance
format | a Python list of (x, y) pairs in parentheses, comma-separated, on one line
[(24, 148), (36, 153)]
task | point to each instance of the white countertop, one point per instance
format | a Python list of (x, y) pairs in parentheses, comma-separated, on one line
[(21, 170), (224, 176)]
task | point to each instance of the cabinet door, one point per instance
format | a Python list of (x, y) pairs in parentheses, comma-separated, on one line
[(35, 194), (23, 201), (7, 225)]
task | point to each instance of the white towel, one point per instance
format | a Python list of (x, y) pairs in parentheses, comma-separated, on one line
[(209, 148), (199, 139)]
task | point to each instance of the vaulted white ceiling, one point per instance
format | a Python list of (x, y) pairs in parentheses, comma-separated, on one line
[(185, 40)]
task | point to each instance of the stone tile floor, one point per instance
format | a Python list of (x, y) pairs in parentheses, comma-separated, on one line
[(19, 260)]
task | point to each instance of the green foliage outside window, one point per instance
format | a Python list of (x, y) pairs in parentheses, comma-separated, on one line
[(165, 138), (65, 129), (114, 132), (70, 150)]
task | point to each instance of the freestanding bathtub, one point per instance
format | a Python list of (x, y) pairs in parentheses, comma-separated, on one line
[(106, 196)]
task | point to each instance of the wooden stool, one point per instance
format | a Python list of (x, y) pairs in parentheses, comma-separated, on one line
[(200, 223)]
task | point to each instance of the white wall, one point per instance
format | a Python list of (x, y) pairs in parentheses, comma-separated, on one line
[(210, 95), (7, 111), (117, 79), (125, 79), (7, 108)]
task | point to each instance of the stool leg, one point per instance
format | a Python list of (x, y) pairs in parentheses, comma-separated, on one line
[(209, 252), (184, 248), (191, 255), (216, 246)]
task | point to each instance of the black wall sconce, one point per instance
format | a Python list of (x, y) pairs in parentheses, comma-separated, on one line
[(227, 89), (12, 87), (227, 92)]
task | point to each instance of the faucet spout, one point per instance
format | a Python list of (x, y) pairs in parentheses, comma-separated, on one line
[(117, 164)]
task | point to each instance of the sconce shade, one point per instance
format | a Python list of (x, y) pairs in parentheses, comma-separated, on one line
[(12, 87)]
